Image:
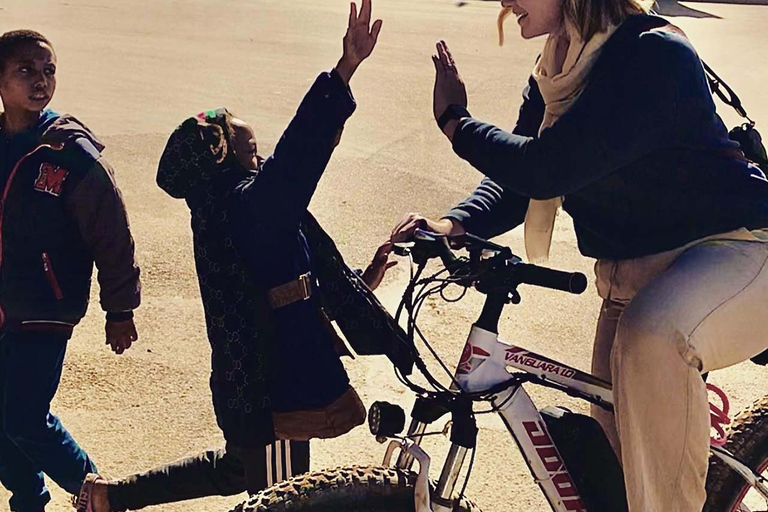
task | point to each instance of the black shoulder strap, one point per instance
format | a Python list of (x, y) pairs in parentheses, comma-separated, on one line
[(728, 96)]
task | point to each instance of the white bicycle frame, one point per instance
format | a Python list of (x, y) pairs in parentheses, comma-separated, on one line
[(485, 363)]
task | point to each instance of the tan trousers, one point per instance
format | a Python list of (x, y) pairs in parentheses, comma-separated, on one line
[(666, 319)]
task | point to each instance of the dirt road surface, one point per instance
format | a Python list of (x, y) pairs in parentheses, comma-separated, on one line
[(133, 69)]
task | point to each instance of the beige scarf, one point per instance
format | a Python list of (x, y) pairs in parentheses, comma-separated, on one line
[(560, 86)]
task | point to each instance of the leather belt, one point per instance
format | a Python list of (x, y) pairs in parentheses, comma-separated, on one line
[(293, 291)]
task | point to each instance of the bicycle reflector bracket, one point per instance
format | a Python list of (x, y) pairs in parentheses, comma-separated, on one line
[(385, 419)]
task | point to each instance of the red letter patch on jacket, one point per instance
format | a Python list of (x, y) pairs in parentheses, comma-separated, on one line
[(51, 179)]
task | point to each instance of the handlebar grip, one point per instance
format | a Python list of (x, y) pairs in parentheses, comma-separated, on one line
[(573, 282), (429, 245)]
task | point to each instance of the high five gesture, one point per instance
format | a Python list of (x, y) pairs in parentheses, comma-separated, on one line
[(359, 41)]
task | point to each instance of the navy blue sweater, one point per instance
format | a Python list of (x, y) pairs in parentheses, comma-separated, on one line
[(642, 159), (277, 251)]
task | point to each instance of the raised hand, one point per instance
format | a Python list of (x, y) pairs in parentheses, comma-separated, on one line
[(449, 87), (359, 41)]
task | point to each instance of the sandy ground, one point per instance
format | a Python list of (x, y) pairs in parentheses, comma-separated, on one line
[(133, 69)]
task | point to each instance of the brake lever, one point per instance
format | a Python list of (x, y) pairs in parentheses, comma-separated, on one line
[(402, 248)]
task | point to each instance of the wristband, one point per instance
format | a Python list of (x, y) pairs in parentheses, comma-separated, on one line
[(451, 112)]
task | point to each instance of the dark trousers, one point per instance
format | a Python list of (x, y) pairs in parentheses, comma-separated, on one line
[(223, 472), (32, 440)]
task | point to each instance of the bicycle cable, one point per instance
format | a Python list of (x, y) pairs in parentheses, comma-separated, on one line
[(413, 307), (418, 303), (412, 302)]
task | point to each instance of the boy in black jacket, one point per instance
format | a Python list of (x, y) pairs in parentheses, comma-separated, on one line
[(60, 211)]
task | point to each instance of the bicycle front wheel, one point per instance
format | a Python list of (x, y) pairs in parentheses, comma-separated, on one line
[(348, 489), (748, 441)]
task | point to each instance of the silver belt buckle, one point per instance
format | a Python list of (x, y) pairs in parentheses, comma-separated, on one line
[(305, 281)]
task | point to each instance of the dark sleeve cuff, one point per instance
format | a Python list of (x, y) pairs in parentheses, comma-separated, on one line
[(338, 94), (338, 81), (458, 215), (490, 210), (119, 316), (467, 222), (479, 224)]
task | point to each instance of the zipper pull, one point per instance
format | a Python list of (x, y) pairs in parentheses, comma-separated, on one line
[(51, 276)]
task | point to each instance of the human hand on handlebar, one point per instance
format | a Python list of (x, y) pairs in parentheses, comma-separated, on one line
[(359, 41), (404, 229)]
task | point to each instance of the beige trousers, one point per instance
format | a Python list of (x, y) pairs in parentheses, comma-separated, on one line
[(666, 319)]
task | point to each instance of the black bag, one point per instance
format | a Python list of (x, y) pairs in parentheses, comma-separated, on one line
[(589, 459), (745, 134), (751, 144)]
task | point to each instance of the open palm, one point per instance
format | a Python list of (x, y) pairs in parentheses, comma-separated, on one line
[(361, 37)]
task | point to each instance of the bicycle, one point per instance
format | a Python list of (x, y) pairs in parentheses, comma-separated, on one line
[(568, 454)]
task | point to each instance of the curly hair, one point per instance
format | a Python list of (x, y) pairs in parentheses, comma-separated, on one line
[(10, 42)]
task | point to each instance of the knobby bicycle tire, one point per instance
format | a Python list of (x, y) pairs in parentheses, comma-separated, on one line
[(346, 489), (748, 441), (380, 489)]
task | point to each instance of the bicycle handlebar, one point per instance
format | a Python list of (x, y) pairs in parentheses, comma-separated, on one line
[(500, 271), (571, 282)]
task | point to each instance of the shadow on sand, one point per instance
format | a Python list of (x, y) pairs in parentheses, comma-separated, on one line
[(673, 7)]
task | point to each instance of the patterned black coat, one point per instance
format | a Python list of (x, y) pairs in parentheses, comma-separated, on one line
[(237, 316)]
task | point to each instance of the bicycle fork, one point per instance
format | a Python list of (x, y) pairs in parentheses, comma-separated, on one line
[(463, 438)]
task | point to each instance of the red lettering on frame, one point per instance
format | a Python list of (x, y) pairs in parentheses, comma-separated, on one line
[(550, 458), (537, 433), (548, 455), (564, 484), (575, 504)]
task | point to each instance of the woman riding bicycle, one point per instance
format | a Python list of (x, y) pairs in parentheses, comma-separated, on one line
[(618, 124)]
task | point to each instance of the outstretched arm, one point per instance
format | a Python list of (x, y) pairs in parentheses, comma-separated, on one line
[(616, 120), (491, 209), (281, 192)]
